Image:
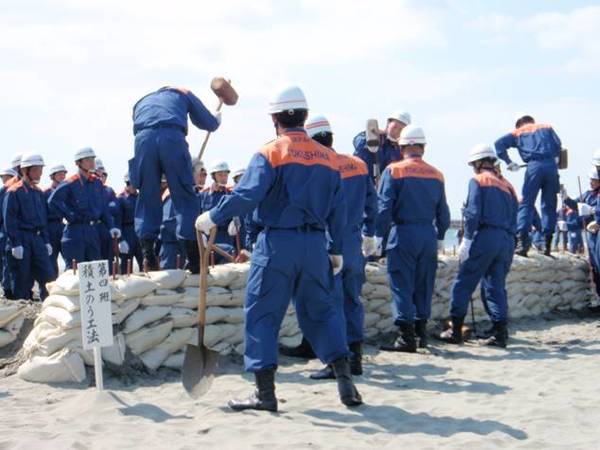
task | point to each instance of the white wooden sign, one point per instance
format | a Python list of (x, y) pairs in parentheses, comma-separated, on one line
[(96, 317)]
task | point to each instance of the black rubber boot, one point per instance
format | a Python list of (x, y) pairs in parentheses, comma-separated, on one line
[(548, 245), (521, 248), (326, 373), (193, 257), (453, 335), (486, 333), (421, 332), (405, 340), (263, 398), (499, 336), (304, 350), (356, 358), (348, 393), (149, 254)]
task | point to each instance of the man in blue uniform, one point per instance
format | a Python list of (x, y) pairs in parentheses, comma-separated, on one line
[(160, 126), (82, 201), (539, 147), (379, 157), (412, 198), (26, 224), (129, 247), (361, 202), (295, 185), (106, 242), (487, 249), (209, 197), (57, 175), (6, 175), (170, 246)]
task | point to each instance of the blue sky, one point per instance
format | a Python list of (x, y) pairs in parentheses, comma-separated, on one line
[(72, 70)]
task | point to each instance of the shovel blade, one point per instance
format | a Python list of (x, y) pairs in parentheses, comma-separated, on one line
[(199, 368)]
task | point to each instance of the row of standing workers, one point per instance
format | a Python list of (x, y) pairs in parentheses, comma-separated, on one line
[(314, 216)]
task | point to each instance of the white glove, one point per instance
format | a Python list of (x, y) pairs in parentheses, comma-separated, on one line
[(562, 225), (592, 227), (378, 246), (123, 247), (337, 263), (368, 246), (440, 245), (217, 115), (49, 248), (584, 209), (513, 167), (17, 252), (463, 250), (372, 149), (234, 227), (204, 223), (115, 233)]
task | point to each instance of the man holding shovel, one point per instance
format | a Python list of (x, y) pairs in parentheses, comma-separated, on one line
[(295, 185), (160, 126)]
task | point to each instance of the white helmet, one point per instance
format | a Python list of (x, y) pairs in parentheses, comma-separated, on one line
[(220, 166), (286, 99), (32, 159), (85, 152), (56, 169), (239, 172), (8, 172), (400, 116), (100, 165), (596, 158), (594, 174), (16, 160), (481, 151), (316, 125), (411, 135)]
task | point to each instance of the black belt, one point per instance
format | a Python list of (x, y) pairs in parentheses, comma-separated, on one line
[(36, 231), (170, 126), (414, 222), (305, 227)]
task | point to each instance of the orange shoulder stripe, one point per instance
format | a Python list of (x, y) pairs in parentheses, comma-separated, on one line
[(298, 148), (529, 128), (15, 186), (351, 166), (487, 179), (411, 168)]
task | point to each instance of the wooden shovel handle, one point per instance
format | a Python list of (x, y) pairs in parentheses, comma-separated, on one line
[(208, 134), (204, 255)]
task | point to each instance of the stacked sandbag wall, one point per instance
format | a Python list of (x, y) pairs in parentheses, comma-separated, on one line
[(154, 315)]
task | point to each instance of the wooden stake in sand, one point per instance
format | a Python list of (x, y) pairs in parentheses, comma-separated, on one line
[(96, 318)]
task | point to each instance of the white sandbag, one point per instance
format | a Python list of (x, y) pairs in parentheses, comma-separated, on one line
[(60, 317), (221, 275), (215, 296), (223, 348), (63, 366), (69, 303), (66, 284), (6, 338), (371, 319), (175, 361), (143, 316), (9, 311), (183, 317), (133, 286), (238, 296), (15, 325), (291, 341), (154, 357), (148, 337), (122, 311), (115, 354), (168, 279), (162, 297), (213, 334)]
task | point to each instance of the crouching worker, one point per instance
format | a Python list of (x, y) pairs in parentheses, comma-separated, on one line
[(295, 185), (26, 223), (412, 196), (486, 251)]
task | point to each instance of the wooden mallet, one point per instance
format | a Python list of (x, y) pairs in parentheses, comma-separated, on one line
[(227, 95)]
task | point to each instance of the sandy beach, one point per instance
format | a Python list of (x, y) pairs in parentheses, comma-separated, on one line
[(542, 392)]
